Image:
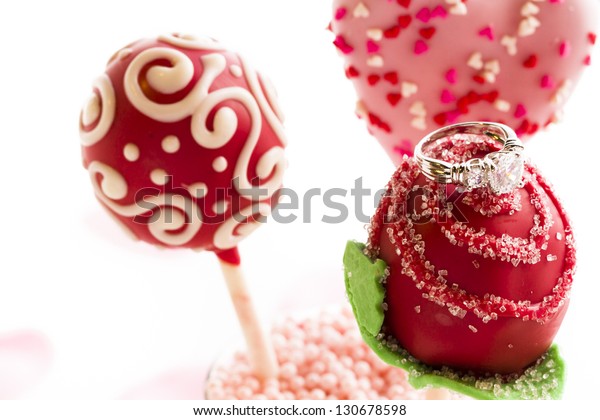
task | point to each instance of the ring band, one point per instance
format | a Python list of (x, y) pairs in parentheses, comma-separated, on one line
[(500, 171)]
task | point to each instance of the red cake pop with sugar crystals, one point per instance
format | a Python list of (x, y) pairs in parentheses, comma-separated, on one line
[(183, 142), (477, 281)]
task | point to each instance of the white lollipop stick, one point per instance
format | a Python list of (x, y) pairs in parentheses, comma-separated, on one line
[(260, 349)]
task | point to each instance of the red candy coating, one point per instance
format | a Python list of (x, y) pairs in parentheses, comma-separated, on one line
[(184, 143), (483, 287)]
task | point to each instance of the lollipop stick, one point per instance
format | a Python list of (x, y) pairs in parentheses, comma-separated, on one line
[(260, 349)]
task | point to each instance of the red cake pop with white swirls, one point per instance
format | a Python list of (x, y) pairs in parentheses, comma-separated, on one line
[(417, 65), (477, 281), (184, 143)]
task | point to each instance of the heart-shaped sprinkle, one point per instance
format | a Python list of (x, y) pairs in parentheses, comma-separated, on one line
[(404, 3), (427, 32), (451, 76), (394, 98), (420, 47), (373, 79), (447, 97), (423, 15), (392, 32), (487, 32), (404, 21), (547, 82), (361, 11), (564, 49), (372, 47), (520, 111), (340, 13), (391, 77), (531, 61)]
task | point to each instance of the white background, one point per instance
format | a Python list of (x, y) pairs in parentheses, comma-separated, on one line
[(119, 313)]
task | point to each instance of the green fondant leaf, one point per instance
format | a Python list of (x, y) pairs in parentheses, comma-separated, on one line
[(363, 287), (544, 380)]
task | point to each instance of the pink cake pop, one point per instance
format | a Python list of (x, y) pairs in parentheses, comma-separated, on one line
[(417, 65), (184, 143)]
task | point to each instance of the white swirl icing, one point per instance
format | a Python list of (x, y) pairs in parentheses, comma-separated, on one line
[(191, 42), (171, 212), (100, 107), (168, 80), (234, 229)]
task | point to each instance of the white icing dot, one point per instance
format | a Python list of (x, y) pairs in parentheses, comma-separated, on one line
[(235, 70), (220, 207), (170, 144), (159, 176), (219, 164), (131, 152), (198, 189)]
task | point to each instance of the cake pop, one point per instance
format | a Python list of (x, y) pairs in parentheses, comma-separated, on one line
[(184, 142)]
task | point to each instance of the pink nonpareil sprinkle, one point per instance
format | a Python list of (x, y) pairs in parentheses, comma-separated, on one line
[(320, 357)]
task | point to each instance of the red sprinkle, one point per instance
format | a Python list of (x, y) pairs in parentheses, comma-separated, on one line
[(427, 32), (342, 45), (420, 47), (547, 82), (423, 15), (520, 111), (352, 72), (451, 76), (404, 3), (531, 61), (404, 21), (439, 11), (392, 32), (479, 79), (372, 47), (487, 32), (373, 79), (564, 49), (587, 60), (447, 97), (592, 38), (440, 118), (490, 96), (340, 13), (391, 77), (394, 98)]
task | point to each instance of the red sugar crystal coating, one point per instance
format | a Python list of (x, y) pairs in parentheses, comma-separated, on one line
[(481, 284)]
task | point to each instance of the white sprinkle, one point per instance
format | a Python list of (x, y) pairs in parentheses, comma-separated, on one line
[(510, 42), (131, 152), (529, 9), (418, 109), (418, 309), (475, 61), (502, 105), (375, 34), (528, 26), (510, 346), (489, 76), (170, 144), (219, 164), (235, 70), (472, 328), (198, 189), (159, 176), (361, 11), (375, 61), (220, 207), (476, 263), (458, 9), (492, 66), (559, 236), (408, 89), (419, 123), (551, 257)]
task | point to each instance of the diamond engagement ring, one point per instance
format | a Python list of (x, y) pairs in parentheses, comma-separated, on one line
[(500, 171)]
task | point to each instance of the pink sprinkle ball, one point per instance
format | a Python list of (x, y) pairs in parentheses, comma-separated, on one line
[(321, 357)]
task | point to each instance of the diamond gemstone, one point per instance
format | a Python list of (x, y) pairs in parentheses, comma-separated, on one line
[(475, 176), (506, 173)]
